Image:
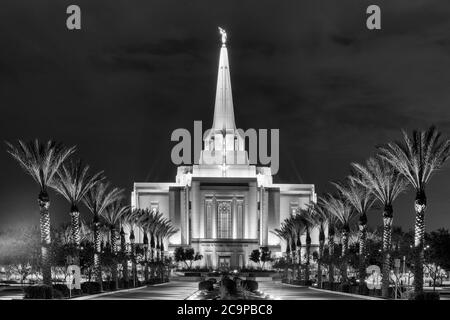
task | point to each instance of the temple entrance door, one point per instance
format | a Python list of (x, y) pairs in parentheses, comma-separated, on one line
[(224, 263)]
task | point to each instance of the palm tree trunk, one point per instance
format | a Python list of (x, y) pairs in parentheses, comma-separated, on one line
[(133, 257), (97, 251), (331, 255), (146, 270), (163, 267), (44, 204), (387, 236), (299, 257), (362, 250), (344, 256), (123, 249), (114, 271), (419, 235), (308, 251), (75, 225), (319, 261)]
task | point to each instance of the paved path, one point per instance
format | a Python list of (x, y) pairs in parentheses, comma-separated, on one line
[(11, 293), (174, 290), (281, 291), (180, 290)]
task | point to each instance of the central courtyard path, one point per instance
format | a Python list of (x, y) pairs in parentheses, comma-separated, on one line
[(180, 290)]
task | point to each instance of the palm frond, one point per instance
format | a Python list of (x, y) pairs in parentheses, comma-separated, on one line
[(40, 160), (73, 181)]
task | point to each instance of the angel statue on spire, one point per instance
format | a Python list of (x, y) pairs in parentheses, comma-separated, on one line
[(224, 35)]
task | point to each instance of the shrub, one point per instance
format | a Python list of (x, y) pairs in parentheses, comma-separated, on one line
[(212, 280), (345, 287), (38, 292), (229, 285), (90, 287), (205, 285), (62, 288), (57, 294), (109, 285), (250, 285), (426, 296)]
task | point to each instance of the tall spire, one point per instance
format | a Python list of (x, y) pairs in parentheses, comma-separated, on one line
[(223, 109)]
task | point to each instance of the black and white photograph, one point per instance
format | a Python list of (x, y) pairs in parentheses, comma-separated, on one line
[(228, 156)]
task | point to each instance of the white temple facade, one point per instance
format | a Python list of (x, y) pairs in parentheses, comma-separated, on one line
[(224, 207)]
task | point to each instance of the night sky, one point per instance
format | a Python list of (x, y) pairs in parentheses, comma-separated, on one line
[(140, 69)]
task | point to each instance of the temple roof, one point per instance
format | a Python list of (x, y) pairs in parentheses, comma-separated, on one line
[(223, 109)]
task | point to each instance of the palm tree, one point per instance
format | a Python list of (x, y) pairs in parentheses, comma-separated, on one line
[(417, 158), (319, 216), (285, 234), (306, 218), (131, 219), (331, 223), (165, 230), (344, 214), (41, 161), (145, 221), (111, 217), (72, 183), (386, 184), (123, 249), (361, 199), (297, 226), (97, 200)]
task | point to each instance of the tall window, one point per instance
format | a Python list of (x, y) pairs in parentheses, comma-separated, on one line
[(209, 216), (224, 222), (239, 218)]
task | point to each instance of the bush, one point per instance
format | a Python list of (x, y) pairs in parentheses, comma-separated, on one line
[(90, 287), (62, 288), (250, 285), (212, 280), (229, 285), (58, 294), (345, 287), (38, 292), (109, 285), (425, 296), (205, 285)]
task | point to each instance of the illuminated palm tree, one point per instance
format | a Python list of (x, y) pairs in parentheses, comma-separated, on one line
[(305, 217), (319, 216), (417, 158), (386, 184), (97, 200), (165, 232), (145, 221), (331, 223), (361, 199), (111, 217), (297, 226), (343, 212), (73, 183), (41, 161), (131, 218)]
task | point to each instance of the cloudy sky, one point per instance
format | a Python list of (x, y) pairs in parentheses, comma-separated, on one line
[(140, 69)]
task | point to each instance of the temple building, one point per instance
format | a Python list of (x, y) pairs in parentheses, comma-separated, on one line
[(224, 211)]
